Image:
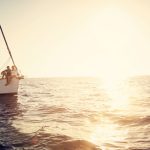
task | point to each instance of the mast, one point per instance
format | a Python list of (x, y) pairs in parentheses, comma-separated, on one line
[(7, 46)]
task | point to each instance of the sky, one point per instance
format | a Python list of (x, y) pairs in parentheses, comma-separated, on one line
[(77, 37)]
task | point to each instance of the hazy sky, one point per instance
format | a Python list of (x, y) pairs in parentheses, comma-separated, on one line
[(78, 37)]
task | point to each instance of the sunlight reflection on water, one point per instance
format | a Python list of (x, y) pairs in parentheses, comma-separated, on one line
[(107, 113)]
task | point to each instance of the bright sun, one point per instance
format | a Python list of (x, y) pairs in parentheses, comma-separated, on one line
[(114, 29)]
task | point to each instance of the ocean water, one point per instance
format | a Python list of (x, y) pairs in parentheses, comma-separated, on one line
[(77, 114)]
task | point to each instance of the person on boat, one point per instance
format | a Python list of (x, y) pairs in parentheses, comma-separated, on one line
[(8, 75), (14, 72), (3, 73)]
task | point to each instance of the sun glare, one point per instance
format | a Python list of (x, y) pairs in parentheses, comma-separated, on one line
[(106, 131), (113, 84), (114, 28)]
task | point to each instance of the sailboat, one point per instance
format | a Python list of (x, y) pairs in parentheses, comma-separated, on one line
[(12, 87)]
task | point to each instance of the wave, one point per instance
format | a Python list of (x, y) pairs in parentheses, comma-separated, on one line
[(134, 121), (75, 145), (49, 142)]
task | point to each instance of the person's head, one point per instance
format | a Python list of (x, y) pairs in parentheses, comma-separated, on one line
[(13, 68), (8, 67)]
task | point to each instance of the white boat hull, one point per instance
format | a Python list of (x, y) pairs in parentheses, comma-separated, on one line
[(11, 88)]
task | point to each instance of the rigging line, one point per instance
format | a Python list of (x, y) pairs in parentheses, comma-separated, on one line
[(7, 46)]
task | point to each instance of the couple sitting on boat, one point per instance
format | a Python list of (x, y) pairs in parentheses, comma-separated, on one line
[(8, 74)]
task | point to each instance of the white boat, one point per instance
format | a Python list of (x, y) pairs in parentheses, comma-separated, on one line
[(12, 87)]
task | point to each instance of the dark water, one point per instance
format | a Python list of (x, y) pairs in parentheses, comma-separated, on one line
[(77, 114)]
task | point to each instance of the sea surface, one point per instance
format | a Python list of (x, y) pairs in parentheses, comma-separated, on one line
[(77, 114)]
